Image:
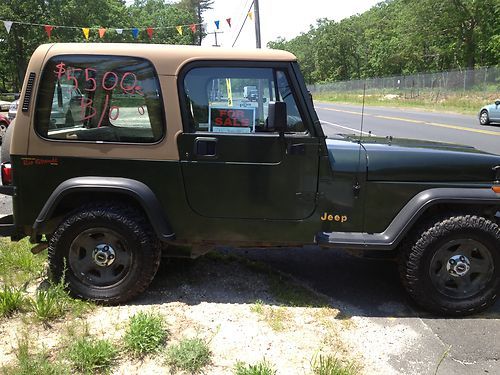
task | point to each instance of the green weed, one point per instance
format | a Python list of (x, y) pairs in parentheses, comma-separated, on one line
[(189, 355), (11, 300), (17, 264), (33, 362), (90, 356), (261, 368), (275, 317), (146, 333), (331, 365)]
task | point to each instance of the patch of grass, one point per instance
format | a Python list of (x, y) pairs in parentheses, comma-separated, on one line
[(145, 334), (90, 356), (189, 355), (11, 300), (467, 103), (261, 368), (331, 365), (17, 264), (275, 317), (33, 362)]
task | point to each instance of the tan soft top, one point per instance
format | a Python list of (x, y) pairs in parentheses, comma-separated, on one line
[(168, 59)]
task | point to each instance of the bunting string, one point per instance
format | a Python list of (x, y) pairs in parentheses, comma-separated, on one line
[(86, 31)]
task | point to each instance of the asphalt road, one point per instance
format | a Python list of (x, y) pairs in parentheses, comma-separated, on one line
[(410, 123)]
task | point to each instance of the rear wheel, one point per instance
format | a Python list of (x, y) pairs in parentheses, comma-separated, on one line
[(454, 267), (106, 253), (484, 118)]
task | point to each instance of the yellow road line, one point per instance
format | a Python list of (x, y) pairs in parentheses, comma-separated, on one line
[(340, 110), (401, 119), (455, 127)]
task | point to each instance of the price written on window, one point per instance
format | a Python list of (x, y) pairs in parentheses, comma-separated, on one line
[(111, 82)]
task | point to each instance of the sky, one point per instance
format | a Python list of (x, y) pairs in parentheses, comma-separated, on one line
[(285, 18)]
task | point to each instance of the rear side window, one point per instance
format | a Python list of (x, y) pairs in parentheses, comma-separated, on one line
[(99, 98)]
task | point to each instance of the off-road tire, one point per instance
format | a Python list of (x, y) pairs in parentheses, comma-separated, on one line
[(415, 263), (137, 235)]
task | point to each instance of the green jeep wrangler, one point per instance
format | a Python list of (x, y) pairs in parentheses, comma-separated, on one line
[(122, 153)]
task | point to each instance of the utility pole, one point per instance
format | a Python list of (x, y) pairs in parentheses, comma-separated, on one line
[(257, 23)]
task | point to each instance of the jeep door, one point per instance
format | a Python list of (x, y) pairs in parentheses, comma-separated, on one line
[(233, 164)]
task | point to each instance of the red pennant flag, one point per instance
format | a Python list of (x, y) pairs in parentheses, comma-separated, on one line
[(102, 31), (150, 31), (228, 20), (48, 30), (193, 28)]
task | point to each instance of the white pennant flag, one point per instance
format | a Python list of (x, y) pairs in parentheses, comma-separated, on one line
[(119, 31), (8, 25)]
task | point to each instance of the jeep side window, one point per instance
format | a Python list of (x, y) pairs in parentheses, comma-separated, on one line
[(99, 98), (236, 100)]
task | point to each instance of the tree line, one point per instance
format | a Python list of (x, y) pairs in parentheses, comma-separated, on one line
[(18, 45), (400, 37)]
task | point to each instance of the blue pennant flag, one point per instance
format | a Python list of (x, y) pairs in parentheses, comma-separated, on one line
[(135, 32), (217, 24)]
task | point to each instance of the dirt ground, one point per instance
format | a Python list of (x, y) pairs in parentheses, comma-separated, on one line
[(245, 311)]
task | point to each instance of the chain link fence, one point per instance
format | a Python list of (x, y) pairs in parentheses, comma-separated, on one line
[(486, 80)]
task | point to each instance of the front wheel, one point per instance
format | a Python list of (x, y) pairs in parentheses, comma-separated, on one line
[(484, 118), (106, 253), (454, 267)]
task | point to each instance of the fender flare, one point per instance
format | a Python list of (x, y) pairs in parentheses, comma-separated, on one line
[(390, 238), (133, 188)]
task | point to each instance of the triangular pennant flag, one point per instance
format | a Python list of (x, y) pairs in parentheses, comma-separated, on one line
[(193, 28), (102, 31), (8, 25), (119, 31), (179, 29), (150, 31), (86, 32), (228, 20), (217, 23), (135, 32), (250, 15), (48, 30)]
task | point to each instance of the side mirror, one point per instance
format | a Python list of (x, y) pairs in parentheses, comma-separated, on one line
[(497, 102), (276, 119)]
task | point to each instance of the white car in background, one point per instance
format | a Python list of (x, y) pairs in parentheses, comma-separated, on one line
[(490, 113)]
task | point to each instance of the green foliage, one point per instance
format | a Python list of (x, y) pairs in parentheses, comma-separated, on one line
[(145, 334), (331, 365), (261, 368), (17, 264), (33, 362), (400, 37), (90, 356), (24, 39), (189, 355), (55, 302), (11, 300)]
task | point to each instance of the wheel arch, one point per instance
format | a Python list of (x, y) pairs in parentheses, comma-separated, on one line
[(74, 192), (418, 210)]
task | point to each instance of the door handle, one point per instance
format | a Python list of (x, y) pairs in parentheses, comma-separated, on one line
[(205, 146), (296, 149)]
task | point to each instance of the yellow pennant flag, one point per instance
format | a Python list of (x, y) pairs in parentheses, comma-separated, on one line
[(179, 29), (250, 15), (86, 32)]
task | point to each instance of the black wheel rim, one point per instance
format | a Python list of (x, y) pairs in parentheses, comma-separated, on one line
[(461, 268), (100, 257)]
